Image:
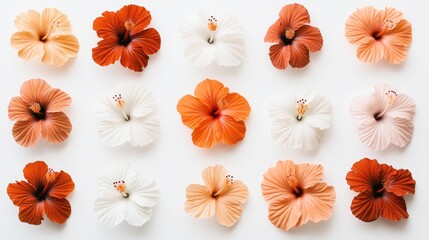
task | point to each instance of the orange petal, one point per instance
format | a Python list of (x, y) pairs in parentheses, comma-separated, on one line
[(370, 50), (285, 212), (275, 184), (62, 186), (59, 48), (139, 15), (310, 37), (55, 100), (199, 203), (392, 14), (238, 193), (294, 16), (31, 211), (214, 177), (299, 55), (365, 207), (149, 40), (280, 55), (211, 92), (363, 174), (35, 173), (362, 23), (227, 213), (18, 110), (29, 22), (397, 41), (317, 203), (308, 174), (107, 52), (393, 207), (58, 210), (394, 53), (27, 133), (402, 184), (56, 127), (54, 16), (236, 106), (134, 58), (33, 90), (108, 25), (28, 45), (19, 192), (193, 111), (275, 32)]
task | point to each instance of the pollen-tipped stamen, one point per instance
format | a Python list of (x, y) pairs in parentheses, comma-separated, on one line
[(301, 108), (51, 29), (120, 105), (121, 187), (212, 26), (391, 96)]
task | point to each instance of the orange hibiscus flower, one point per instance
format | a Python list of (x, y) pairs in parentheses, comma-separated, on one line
[(38, 113), (381, 189), (214, 114), (294, 38), (379, 34), (221, 196), (125, 37), (44, 193), (296, 194), (47, 36)]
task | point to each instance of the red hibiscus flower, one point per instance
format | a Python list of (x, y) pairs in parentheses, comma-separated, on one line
[(381, 189), (44, 193), (125, 37)]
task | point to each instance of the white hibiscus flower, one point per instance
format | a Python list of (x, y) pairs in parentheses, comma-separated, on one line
[(299, 121), (127, 116), (212, 35), (125, 196)]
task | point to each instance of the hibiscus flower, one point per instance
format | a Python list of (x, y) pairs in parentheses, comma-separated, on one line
[(293, 38), (125, 37), (381, 189), (214, 114), (222, 195), (212, 35), (47, 36), (379, 34), (299, 121), (384, 117), (38, 113), (128, 116), (44, 193), (296, 194), (125, 195)]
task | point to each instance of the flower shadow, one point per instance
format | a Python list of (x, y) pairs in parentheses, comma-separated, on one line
[(312, 229)]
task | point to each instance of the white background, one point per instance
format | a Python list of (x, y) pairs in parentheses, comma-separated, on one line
[(175, 162)]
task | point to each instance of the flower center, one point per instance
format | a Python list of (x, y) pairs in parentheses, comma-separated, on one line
[(37, 111), (217, 111), (54, 26), (301, 108), (289, 33), (378, 190), (120, 105), (292, 181), (129, 26), (227, 185), (212, 25), (387, 25), (42, 189), (391, 96), (121, 187)]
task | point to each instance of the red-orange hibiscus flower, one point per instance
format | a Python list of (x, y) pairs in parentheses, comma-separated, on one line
[(214, 114), (38, 113), (44, 193), (125, 37), (381, 189), (293, 37)]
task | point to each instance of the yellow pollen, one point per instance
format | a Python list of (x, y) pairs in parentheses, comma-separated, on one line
[(120, 103), (121, 187), (212, 24), (301, 108), (51, 175), (36, 108), (289, 33), (129, 24)]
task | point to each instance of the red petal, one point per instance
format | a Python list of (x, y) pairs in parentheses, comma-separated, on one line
[(134, 58), (62, 186), (363, 174), (310, 37), (149, 40), (280, 55), (107, 52), (299, 55), (139, 15), (35, 173), (19, 192), (56, 127), (366, 207), (58, 210), (393, 207), (294, 16), (31, 211), (402, 184), (274, 33), (108, 26)]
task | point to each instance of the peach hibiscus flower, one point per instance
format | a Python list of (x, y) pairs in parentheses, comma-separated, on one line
[(47, 36), (44, 193), (38, 113), (293, 38), (215, 114), (221, 196), (379, 34), (296, 194), (381, 190), (125, 37)]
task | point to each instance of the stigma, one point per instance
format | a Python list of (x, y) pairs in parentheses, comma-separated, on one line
[(391, 95), (51, 175), (292, 181), (289, 33), (301, 108), (121, 187), (36, 108), (129, 24), (120, 103), (212, 24)]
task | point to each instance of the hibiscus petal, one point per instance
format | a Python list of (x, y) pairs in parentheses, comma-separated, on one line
[(294, 134), (363, 108), (138, 14), (28, 45), (214, 177), (200, 53), (308, 175), (310, 37), (299, 55), (134, 58), (19, 192), (108, 25), (400, 35), (194, 28), (149, 40), (227, 213), (31, 211), (57, 210), (117, 172), (317, 203), (59, 48), (52, 16), (362, 23), (27, 133), (400, 130), (107, 52), (110, 209), (193, 111), (370, 50), (199, 202), (18, 109), (274, 32), (393, 207), (56, 127), (365, 207), (238, 193), (144, 130), (395, 53), (285, 212), (402, 184), (275, 185), (319, 112), (32, 90), (229, 27), (283, 107), (144, 192), (137, 215), (363, 175), (236, 106), (55, 100), (35, 173), (294, 16), (210, 92), (29, 22), (280, 55), (138, 100), (376, 134), (229, 52), (392, 14), (62, 186)]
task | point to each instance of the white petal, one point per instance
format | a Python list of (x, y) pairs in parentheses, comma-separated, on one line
[(283, 107), (144, 192), (114, 133), (144, 130), (374, 135), (294, 134), (194, 27), (319, 112), (136, 215), (228, 27), (138, 99), (200, 53), (229, 53), (401, 131), (363, 108), (380, 91), (110, 209), (123, 171), (403, 107)]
